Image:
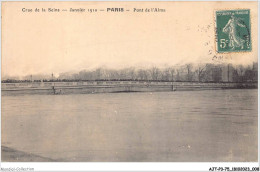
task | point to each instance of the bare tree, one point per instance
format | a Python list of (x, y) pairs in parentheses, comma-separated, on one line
[(154, 73), (189, 72), (166, 74), (172, 72), (142, 74), (178, 77), (208, 73), (200, 72), (98, 74), (131, 73), (240, 72)]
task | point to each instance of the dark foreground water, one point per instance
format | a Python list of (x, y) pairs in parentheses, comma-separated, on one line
[(216, 125)]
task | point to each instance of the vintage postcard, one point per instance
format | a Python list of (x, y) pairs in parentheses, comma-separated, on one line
[(129, 82)]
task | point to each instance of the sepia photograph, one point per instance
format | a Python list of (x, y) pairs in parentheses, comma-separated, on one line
[(129, 81)]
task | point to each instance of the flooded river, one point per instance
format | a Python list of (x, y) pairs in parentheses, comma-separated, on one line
[(210, 125)]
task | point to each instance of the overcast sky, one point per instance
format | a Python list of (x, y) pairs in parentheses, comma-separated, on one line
[(34, 43)]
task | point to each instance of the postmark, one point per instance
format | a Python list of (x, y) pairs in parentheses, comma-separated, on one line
[(233, 31)]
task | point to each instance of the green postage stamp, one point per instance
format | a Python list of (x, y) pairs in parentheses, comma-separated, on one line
[(233, 31)]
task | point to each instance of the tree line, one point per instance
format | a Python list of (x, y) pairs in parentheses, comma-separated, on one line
[(184, 73)]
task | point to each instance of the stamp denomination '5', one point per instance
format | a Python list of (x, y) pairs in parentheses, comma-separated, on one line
[(233, 31)]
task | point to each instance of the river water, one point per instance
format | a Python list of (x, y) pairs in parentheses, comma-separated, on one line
[(209, 125)]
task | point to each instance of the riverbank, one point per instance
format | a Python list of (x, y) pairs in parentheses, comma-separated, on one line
[(90, 87)]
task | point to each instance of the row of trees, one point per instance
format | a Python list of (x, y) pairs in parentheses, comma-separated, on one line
[(188, 72)]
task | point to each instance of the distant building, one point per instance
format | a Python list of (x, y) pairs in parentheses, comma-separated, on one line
[(227, 72), (216, 74)]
